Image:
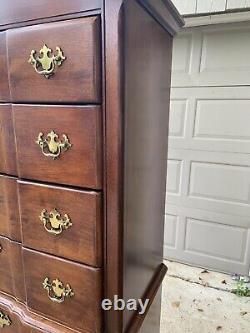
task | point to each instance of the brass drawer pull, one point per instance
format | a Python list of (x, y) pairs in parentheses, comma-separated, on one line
[(51, 146), (56, 290), (54, 223), (4, 320), (45, 63)]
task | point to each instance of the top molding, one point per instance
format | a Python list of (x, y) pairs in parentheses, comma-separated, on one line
[(24, 12), (165, 13)]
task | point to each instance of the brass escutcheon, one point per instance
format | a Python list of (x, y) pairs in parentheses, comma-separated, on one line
[(54, 223), (4, 320), (45, 63), (51, 146), (56, 290)]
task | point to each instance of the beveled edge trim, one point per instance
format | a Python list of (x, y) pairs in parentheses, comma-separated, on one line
[(165, 13), (137, 320), (51, 19), (10, 11), (26, 317)]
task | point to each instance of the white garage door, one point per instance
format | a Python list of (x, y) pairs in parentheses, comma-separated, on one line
[(208, 188)]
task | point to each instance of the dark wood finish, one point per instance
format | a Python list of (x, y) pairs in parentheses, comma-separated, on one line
[(81, 164), (11, 269), (83, 311), (13, 11), (134, 247), (113, 159), (147, 87), (7, 141), (117, 162), (82, 241), (153, 317), (78, 78), (25, 321), (137, 320), (9, 214), (4, 82), (165, 13), (16, 326)]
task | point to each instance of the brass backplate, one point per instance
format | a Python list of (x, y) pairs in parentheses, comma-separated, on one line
[(46, 62)]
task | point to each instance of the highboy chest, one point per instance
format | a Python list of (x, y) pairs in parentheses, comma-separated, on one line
[(84, 99)]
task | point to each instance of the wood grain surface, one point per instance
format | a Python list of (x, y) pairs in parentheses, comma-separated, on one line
[(82, 242), (4, 81), (11, 269), (81, 165), (25, 321), (13, 11), (9, 213), (147, 90), (7, 141), (77, 80), (83, 310)]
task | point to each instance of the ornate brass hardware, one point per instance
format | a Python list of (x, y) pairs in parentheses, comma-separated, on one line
[(4, 320), (54, 223), (51, 146), (56, 290), (45, 63)]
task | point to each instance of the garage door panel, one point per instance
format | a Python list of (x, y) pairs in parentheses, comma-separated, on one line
[(177, 118), (218, 119), (174, 180), (207, 240), (215, 119), (225, 51), (182, 61), (217, 56), (213, 239), (216, 182), (171, 232), (220, 182)]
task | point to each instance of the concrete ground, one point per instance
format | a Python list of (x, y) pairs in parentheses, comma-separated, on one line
[(200, 301)]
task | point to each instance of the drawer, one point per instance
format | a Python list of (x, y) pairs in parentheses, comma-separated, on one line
[(72, 158), (4, 80), (9, 212), (11, 269), (7, 141), (63, 222), (9, 322), (16, 318), (64, 291), (49, 77)]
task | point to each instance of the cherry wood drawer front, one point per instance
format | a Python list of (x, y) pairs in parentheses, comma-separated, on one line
[(11, 269), (9, 212), (76, 80), (7, 141), (19, 319), (78, 237), (4, 81), (10, 322), (80, 311), (13, 11), (80, 165)]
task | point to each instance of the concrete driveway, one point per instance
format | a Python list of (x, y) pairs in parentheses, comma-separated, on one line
[(200, 301)]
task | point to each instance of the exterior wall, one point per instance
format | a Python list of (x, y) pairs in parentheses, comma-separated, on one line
[(196, 7)]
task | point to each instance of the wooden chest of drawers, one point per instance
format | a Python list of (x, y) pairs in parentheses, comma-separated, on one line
[(84, 98)]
